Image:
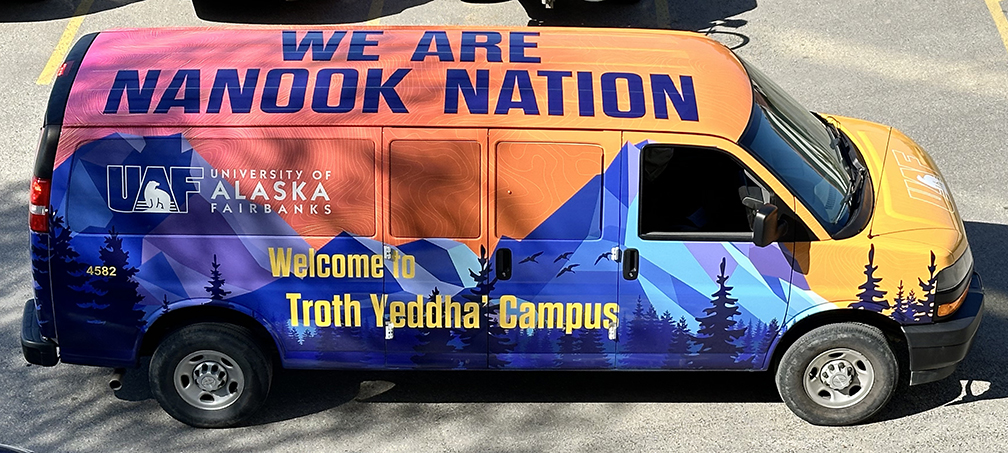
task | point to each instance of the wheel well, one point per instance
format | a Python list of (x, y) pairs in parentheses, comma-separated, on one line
[(182, 317), (891, 329)]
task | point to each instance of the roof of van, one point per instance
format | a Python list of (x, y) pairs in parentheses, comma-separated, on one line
[(569, 78)]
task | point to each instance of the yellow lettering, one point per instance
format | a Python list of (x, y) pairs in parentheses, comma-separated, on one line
[(306, 308), (527, 318), (550, 315), (408, 266), (470, 319), (293, 298), (339, 266), (300, 265), (507, 320), (397, 314), (611, 313), (322, 265), (377, 266), (450, 308), (414, 312), (379, 309), (323, 313), (573, 319), (433, 313), (311, 262), (593, 322), (337, 305), (351, 311), (358, 266), (280, 263)]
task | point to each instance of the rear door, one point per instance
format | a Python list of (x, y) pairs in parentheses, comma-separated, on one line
[(554, 217)]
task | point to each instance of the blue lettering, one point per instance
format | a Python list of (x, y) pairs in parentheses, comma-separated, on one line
[(662, 87), (321, 50), (190, 101), (526, 95), (375, 89), (239, 96), (359, 41), (440, 39), (586, 94), (554, 90), (185, 181), (123, 187), (271, 91), (469, 45), (138, 98), (477, 99), (348, 93), (518, 46), (610, 98)]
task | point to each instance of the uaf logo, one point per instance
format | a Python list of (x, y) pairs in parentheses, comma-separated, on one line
[(132, 188)]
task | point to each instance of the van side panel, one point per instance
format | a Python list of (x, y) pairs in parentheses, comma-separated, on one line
[(279, 225)]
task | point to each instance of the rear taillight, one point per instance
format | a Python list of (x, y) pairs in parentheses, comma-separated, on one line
[(38, 205)]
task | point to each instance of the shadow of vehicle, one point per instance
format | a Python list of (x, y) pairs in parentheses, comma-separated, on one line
[(672, 14), (298, 12), (43, 10)]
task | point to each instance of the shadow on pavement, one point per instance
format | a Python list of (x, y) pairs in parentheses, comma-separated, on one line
[(43, 10)]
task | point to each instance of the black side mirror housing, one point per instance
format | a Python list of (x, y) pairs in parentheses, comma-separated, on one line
[(767, 228)]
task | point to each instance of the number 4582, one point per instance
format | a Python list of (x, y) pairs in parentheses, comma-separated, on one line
[(102, 271)]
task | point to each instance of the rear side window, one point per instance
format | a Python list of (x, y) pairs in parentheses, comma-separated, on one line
[(434, 189), (532, 177), (253, 186)]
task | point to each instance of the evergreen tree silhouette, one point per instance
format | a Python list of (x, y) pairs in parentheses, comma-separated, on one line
[(119, 289), (769, 336), (680, 343), (590, 349), (902, 310), (216, 288), (719, 330), (70, 275), (432, 340), (40, 274), (928, 289), (870, 297), (642, 329), (292, 335), (164, 304), (566, 349), (473, 338)]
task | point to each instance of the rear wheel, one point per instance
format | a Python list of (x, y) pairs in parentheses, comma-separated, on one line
[(210, 375), (838, 374)]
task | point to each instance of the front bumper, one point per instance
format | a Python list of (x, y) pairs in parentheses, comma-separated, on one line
[(36, 348), (936, 349)]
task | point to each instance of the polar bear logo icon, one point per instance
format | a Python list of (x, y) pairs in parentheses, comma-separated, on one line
[(155, 199), (933, 182)]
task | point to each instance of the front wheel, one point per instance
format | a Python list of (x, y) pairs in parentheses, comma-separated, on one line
[(210, 375), (838, 374)]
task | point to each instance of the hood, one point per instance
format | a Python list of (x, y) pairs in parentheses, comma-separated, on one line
[(910, 192)]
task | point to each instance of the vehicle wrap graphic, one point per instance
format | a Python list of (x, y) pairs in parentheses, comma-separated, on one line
[(326, 285)]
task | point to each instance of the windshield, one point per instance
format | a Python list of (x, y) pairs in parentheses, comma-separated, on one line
[(798, 148)]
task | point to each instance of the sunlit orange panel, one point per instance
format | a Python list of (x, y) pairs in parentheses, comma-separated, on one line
[(434, 189), (535, 179)]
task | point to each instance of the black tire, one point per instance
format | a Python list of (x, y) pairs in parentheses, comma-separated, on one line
[(838, 374), (210, 375)]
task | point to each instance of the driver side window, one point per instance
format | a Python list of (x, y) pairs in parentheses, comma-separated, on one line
[(689, 193)]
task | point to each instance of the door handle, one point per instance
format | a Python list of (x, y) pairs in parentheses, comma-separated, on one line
[(503, 264), (631, 264)]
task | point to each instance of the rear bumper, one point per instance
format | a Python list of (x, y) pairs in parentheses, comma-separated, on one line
[(36, 348), (936, 349)]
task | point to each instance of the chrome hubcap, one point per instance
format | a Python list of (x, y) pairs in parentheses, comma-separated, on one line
[(839, 378), (209, 380)]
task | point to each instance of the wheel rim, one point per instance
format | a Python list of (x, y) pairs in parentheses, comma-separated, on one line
[(209, 380), (839, 378)]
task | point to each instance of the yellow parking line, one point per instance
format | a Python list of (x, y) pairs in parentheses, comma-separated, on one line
[(375, 12), (63, 46), (999, 20), (662, 13)]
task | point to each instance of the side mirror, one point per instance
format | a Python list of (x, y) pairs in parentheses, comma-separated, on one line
[(767, 228)]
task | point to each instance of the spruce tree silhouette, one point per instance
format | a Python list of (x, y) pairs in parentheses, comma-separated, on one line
[(680, 343), (718, 330), (71, 275), (164, 304), (902, 310), (472, 339), (216, 288), (566, 349), (433, 341), (928, 288), (642, 329), (590, 349), (870, 297), (768, 336), (119, 289)]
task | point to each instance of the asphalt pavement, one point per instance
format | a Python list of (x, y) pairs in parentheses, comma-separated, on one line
[(937, 71)]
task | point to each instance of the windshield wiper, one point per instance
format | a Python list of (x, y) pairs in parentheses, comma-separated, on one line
[(854, 188)]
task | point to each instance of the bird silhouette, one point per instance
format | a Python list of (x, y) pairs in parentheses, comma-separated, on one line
[(531, 258), (563, 256), (568, 269), (605, 255)]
